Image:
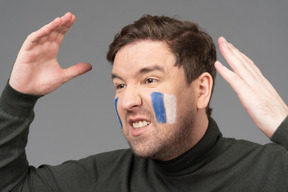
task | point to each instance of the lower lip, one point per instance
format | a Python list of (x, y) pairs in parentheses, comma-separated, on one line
[(138, 132)]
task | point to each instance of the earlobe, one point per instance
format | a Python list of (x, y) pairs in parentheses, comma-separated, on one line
[(204, 87)]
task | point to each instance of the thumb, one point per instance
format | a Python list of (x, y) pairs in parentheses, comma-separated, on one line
[(76, 70)]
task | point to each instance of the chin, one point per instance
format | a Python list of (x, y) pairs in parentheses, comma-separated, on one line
[(144, 151), (151, 152)]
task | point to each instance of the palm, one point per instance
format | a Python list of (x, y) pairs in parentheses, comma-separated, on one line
[(36, 70)]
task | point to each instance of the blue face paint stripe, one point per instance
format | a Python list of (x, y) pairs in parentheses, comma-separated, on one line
[(158, 106), (116, 104)]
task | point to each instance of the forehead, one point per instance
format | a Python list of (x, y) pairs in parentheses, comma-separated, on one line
[(143, 54)]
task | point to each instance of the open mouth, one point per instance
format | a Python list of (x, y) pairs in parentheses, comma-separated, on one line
[(140, 124)]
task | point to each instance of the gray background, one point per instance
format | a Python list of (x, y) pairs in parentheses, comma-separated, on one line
[(79, 119)]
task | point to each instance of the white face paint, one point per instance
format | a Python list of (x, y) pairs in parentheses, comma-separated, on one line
[(170, 106), (164, 106)]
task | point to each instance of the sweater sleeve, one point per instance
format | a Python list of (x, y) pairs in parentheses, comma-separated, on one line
[(16, 114), (281, 134)]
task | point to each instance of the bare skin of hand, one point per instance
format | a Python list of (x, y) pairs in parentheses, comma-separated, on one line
[(257, 95), (36, 70)]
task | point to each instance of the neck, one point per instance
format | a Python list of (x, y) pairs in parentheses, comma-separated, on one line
[(200, 128)]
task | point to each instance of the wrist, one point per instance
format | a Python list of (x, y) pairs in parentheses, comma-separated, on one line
[(16, 103)]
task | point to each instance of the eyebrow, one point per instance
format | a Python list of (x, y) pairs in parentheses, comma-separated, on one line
[(141, 71)]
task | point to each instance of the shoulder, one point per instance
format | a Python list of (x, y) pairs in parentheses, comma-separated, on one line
[(247, 151), (240, 145), (106, 158)]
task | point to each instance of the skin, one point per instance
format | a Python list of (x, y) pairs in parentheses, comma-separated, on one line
[(148, 66), (264, 105), (37, 71)]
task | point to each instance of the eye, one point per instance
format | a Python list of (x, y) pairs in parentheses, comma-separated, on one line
[(120, 86), (150, 80)]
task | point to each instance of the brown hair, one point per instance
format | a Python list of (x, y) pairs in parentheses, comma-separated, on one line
[(194, 49)]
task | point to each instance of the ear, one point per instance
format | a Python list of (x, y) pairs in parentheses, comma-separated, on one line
[(204, 84)]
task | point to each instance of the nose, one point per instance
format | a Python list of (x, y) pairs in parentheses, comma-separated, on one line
[(130, 98)]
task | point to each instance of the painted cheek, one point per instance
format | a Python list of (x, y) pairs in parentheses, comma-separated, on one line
[(164, 106), (116, 109)]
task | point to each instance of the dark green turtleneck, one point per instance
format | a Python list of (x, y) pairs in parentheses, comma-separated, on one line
[(214, 164)]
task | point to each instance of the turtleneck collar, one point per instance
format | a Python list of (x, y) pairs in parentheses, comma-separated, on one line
[(196, 157)]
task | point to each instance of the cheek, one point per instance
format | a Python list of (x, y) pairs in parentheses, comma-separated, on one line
[(164, 106), (116, 109)]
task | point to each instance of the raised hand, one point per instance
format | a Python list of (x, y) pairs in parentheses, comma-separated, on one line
[(36, 70), (257, 95)]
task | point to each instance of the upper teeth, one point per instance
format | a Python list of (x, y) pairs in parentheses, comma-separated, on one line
[(140, 124)]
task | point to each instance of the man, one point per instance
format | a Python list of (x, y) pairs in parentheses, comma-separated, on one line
[(163, 75)]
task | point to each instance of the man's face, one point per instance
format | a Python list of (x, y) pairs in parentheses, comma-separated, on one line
[(155, 105)]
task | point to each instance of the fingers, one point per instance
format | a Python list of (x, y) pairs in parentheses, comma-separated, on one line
[(76, 70), (245, 73), (61, 25), (240, 63), (55, 30), (259, 98), (67, 21), (57, 34), (233, 79)]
